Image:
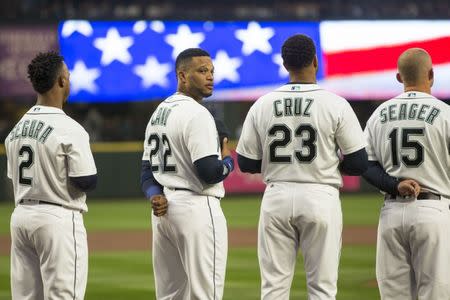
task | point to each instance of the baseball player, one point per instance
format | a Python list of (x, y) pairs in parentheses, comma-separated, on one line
[(182, 174), (291, 135), (51, 167), (409, 138)]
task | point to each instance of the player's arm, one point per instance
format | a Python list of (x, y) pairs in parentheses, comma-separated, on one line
[(84, 183), (379, 178), (222, 131), (354, 163), (249, 165), (82, 171), (249, 146), (212, 170), (149, 185), (202, 141)]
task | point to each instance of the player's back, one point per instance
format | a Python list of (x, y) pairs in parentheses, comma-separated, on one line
[(179, 132), (41, 150), (299, 129), (410, 138)]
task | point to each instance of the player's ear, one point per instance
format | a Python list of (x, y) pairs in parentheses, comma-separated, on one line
[(399, 78), (316, 62), (431, 76), (61, 81), (181, 76)]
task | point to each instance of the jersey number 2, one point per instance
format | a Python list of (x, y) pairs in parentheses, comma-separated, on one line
[(25, 164), (160, 144), (309, 142), (405, 134)]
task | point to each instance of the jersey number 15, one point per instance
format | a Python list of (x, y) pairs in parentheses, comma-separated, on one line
[(406, 143)]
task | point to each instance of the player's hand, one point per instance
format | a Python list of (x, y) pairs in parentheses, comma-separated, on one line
[(159, 205), (408, 187), (225, 150)]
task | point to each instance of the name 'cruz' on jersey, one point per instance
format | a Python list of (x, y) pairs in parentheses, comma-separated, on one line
[(31, 129), (409, 111), (297, 106)]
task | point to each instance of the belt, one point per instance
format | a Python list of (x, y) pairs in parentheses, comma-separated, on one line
[(181, 189), (30, 201), (421, 196)]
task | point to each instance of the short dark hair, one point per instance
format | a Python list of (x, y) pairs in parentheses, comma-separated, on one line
[(298, 52), (44, 69), (187, 54)]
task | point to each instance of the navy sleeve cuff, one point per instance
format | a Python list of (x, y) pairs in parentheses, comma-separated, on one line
[(84, 183), (248, 165)]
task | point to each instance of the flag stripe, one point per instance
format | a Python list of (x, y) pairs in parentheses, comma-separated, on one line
[(382, 58)]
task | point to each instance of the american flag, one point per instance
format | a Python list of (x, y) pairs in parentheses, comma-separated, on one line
[(134, 60)]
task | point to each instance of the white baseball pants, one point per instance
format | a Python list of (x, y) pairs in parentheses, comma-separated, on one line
[(413, 250), (190, 246), (49, 253), (305, 216)]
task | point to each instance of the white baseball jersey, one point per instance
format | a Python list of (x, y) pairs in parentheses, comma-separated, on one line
[(296, 130), (409, 136), (180, 132), (45, 148)]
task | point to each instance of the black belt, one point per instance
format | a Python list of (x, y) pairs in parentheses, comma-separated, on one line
[(181, 189), (39, 202), (421, 196)]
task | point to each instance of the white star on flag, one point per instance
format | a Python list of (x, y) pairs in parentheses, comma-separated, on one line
[(225, 67), (157, 26), (82, 78), (255, 38), (282, 72), (184, 39), (153, 72), (139, 27), (114, 47), (83, 27)]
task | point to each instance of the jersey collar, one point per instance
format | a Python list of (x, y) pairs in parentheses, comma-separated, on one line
[(415, 95), (42, 109), (299, 87), (179, 97)]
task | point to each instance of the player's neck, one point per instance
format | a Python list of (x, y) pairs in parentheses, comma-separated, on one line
[(186, 93), (302, 77), (418, 88), (46, 100)]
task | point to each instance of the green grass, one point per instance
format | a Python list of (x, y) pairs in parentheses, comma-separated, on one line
[(241, 212), (128, 275), (117, 276)]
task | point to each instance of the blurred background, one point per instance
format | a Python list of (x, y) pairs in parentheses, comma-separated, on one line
[(121, 57)]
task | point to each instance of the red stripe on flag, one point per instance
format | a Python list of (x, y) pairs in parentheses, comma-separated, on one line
[(382, 58)]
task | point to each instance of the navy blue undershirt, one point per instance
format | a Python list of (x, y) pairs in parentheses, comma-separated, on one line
[(378, 177), (353, 164), (84, 183), (210, 170)]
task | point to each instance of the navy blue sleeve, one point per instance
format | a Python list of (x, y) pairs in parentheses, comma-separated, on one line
[(84, 183), (149, 185), (212, 170), (249, 165), (378, 177), (355, 163)]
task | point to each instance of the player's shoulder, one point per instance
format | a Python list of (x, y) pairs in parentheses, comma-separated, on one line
[(70, 126)]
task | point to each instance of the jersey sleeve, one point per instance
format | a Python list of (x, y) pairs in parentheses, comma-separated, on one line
[(146, 154), (201, 136), (8, 163), (249, 144), (79, 155), (370, 149), (349, 135)]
